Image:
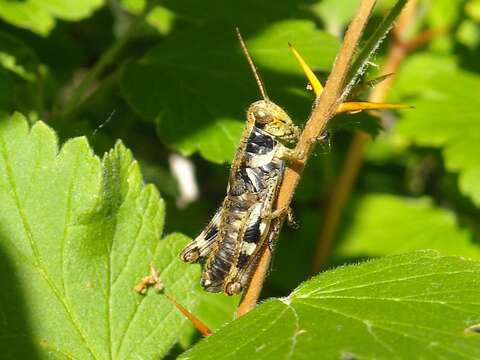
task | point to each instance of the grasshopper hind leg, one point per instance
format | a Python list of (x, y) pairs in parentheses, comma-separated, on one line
[(219, 264), (239, 282), (262, 232), (202, 245), (251, 239), (210, 286)]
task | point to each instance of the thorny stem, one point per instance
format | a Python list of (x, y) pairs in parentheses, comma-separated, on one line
[(353, 161), (324, 109)]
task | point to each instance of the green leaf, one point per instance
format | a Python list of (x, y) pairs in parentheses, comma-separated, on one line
[(196, 86), (443, 13), (134, 6), (161, 19), (241, 13), (409, 306), (23, 72), (214, 310), (386, 224), (27, 15), (472, 8), (70, 10), (335, 13), (468, 34), (39, 15), (76, 235), (445, 115), (18, 58)]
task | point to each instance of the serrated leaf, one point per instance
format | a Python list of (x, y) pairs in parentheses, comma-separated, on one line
[(409, 306), (39, 15), (196, 86), (445, 115), (385, 224), (76, 235)]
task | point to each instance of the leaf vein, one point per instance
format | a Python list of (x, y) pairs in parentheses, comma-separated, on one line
[(387, 282), (356, 277), (35, 251), (134, 314), (420, 340)]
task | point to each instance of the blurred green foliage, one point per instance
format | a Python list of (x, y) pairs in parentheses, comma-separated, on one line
[(169, 77)]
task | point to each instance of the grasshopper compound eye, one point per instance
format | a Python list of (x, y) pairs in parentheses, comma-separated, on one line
[(262, 117)]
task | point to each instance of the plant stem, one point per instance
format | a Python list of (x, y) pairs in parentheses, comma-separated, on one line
[(324, 109), (354, 159), (359, 66)]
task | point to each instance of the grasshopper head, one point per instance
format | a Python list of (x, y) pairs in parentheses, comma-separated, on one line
[(272, 119)]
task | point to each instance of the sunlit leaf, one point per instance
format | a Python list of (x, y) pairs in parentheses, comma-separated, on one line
[(76, 235), (385, 224), (417, 305), (39, 15), (445, 115)]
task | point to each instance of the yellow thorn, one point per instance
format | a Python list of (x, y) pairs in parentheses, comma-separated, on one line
[(316, 84), (358, 106), (196, 322)]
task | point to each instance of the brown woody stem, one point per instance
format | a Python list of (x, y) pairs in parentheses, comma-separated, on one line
[(324, 109), (354, 159)]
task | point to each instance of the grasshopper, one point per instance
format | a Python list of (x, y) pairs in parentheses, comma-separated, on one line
[(230, 243)]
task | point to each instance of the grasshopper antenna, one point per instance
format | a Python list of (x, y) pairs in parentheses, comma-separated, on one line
[(252, 65)]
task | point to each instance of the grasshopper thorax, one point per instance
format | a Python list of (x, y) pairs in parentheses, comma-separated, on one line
[(272, 119)]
